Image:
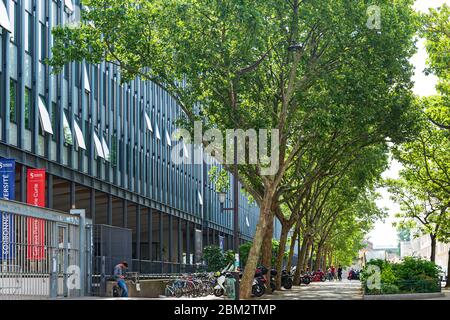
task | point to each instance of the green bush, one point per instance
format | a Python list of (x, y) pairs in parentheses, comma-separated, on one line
[(215, 259), (412, 275), (415, 268), (388, 277), (389, 289)]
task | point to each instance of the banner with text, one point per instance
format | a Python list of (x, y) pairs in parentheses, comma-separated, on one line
[(35, 226), (8, 177)]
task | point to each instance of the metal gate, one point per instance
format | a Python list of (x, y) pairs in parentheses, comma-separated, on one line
[(111, 246), (44, 253)]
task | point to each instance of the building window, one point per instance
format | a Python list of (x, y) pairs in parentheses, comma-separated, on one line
[(114, 150), (14, 19), (12, 101), (54, 117), (28, 32), (43, 42), (27, 108)]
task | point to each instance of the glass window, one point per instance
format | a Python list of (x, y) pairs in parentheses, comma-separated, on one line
[(67, 132), (54, 116), (79, 135), (28, 32), (13, 20), (114, 150), (27, 108), (12, 101), (45, 117), (43, 42)]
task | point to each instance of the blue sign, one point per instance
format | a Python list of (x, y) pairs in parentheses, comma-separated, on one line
[(8, 177), (7, 191)]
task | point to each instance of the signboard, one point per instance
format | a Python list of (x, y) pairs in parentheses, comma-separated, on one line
[(221, 242), (198, 245), (7, 177), (36, 187), (36, 238), (35, 226)]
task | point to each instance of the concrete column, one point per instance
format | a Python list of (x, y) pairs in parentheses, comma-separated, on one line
[(180, 242), (188, 242), (92, 204), (150, 233), (161, 239), (138, 235), (170, 242), (125, 213), (49, 191), (109, 209)]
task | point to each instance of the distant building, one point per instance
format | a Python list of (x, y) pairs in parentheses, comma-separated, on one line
[(421, 247), (384, 253)]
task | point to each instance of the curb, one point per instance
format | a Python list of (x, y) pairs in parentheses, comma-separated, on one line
[(413, 296)]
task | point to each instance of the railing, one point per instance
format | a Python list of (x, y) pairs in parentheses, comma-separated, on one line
[(158, 267), (404, 287)]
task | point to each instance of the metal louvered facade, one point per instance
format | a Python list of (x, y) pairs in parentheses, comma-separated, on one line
[(103, 144)]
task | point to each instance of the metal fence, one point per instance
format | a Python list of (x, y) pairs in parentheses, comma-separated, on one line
[(41, 256)]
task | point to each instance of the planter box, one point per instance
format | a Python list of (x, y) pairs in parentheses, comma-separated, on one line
[(405, 296)]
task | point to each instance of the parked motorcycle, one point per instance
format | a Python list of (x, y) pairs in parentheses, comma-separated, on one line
[(219, 288), (318, 276), (305, 278), (273, 274), (286, 279), (353, 275), (259, 282)]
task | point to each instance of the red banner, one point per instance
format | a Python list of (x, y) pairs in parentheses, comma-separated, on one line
[(36, 238), (35, 226), (36, 187)]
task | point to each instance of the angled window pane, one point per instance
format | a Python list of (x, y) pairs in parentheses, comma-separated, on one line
[(158, 136), (168, 140), (45, 117), (68, 138), (4, 18), (185, 151), (69, 5), (87, 85), (98, 146), (200, 198), (79, 135), (105, 149), (148, 122)]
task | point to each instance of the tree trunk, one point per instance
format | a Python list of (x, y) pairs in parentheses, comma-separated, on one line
[(324, 259), (266, 259), (307, 256), (280, 256), (292, 250), (318, 263), (433, 248), (255, 251), (300, 261), (330, 258), (447, 283)]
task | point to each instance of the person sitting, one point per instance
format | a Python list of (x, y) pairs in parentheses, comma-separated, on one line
[(119, 276)]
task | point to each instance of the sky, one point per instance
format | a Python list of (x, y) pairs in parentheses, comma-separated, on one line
[(384, 234)]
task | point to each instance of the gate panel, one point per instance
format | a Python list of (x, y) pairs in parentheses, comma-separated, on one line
[(40, 252)]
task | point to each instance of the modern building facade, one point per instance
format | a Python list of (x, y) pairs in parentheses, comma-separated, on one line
[(105, 146)]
